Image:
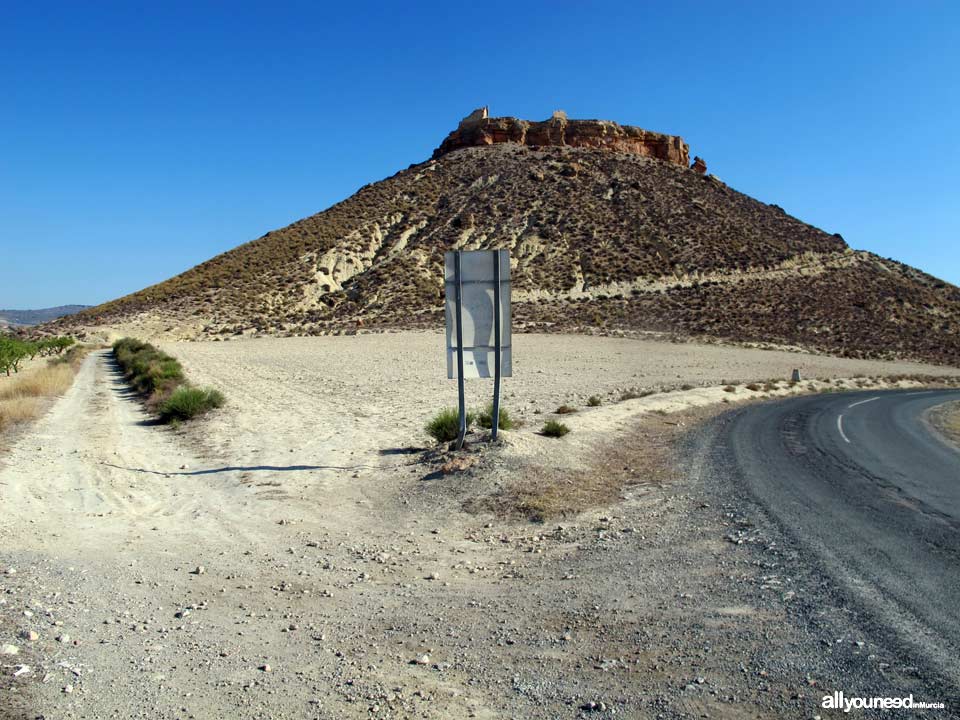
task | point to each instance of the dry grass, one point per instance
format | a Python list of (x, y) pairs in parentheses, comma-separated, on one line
[(550, 495), (541, 494), (22, 396), (19, 410), (947, 420), (47, 381), (634, 394)]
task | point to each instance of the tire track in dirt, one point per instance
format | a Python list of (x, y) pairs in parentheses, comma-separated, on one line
[(95, 466)]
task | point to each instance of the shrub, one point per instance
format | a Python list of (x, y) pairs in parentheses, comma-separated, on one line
[(730, 389), (565, 410), (634, 394), (151, 371), (445, 425), (554, 429), (753, 386), (188, 402), (594, 401), (484, 418), (160, 379)]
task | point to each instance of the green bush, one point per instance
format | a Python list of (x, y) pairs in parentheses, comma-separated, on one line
[(594, 401), (149, 370), (555, 429), (485, 418), (160, 378), (188, 402), (445, 425)]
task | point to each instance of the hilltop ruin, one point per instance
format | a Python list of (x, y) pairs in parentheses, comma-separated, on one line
[(478, 129)]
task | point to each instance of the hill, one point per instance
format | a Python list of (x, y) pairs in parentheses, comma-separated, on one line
[(35, 317), (608, 228)]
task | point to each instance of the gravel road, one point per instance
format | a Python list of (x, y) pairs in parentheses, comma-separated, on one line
[(282, 560)]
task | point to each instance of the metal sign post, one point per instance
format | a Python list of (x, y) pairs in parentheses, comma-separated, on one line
[(495, 418), (462, 406), (478, 324)]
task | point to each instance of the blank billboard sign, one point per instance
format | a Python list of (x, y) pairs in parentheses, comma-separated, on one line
[(477, 283)]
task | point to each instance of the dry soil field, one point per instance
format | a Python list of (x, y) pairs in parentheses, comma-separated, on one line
[(336, 400), (297, 555)]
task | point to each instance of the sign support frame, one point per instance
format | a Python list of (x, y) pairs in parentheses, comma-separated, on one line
[(462, 406), (495, 419), (469, 286)]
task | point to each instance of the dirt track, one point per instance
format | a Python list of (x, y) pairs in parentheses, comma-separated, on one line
[(331, 556)]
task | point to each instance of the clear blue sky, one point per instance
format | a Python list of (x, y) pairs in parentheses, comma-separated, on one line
[(138, 139)]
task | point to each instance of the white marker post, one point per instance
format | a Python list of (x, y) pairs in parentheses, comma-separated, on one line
[(478, 323)]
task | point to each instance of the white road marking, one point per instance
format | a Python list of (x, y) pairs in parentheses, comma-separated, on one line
[(922, 392), (840, 428), (861, 402)]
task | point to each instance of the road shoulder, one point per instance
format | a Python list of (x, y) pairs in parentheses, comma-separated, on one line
[(945, 420)]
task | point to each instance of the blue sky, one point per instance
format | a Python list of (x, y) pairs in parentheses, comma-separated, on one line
[(138, 139)]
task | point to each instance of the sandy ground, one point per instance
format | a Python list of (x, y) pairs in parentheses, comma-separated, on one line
[(297, 556), (335, 400)]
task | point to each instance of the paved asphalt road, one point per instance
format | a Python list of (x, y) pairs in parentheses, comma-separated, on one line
[(862, 481)]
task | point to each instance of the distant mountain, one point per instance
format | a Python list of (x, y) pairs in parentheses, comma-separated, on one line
[(35, 317), (608, 226)]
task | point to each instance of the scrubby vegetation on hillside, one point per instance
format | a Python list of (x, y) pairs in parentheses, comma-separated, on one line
[(598, 239), (160, 379)]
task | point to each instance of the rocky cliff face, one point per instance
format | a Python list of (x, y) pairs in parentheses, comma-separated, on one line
[(479, 129)]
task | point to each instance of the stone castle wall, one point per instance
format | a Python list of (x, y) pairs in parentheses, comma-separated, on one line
[(478, 129)]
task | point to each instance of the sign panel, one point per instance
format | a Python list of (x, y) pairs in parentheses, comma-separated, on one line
[(477, 271)]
